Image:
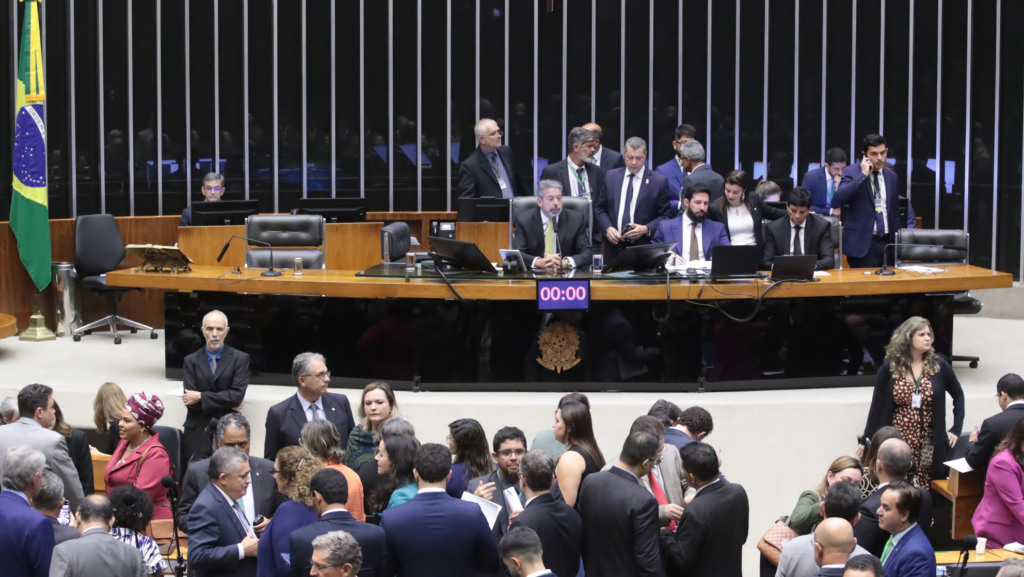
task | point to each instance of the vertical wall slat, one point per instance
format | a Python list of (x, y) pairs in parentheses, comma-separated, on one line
[(391, 104), (764, 88), (72, 129), (129, 52), (910, 105), (102, 168), (305, 101), (736, 95), (968, 87), (160, 112), (796, 91), (853, 79), (939, 168), (995, 138), (216, 86), (245, 96)]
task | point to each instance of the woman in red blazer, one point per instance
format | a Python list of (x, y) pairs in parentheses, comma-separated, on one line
[(139, 458), (1000, 515)]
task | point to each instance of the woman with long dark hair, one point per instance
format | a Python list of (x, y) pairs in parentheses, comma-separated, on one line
[(394, 464), (573, 427), (741, 212), (470, 455)]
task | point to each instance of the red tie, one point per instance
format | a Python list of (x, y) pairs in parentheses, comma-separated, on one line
[(659, 494)]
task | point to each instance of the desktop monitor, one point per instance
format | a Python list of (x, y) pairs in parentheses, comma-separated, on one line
[(223, 212), (334, 209), (460, 254), (482, 209)]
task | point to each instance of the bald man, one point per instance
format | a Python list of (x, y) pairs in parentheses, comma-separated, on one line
[(490, 170), (833, 545)]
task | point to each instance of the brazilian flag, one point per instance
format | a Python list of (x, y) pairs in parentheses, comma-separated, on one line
[(29, 211)]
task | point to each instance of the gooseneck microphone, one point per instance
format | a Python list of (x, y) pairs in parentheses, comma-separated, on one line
[(170, 484), (970, 542), (270, 271), (172, 494), (886, 271)]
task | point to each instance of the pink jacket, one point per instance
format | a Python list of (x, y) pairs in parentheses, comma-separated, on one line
[(1000, 515)]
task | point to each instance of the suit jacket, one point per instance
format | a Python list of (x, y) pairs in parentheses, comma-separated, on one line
[(573, 237), (560, 171), (758, 211), (872, 537), (285, 421), (62, 533), (857, 200), (913, 556), (672, 480), (213, 536), (221, 394), (434, 534), (704, 175), (816, 235), (186, 217), (78, 450), (831, 571), (816, 182), (797, 557), (620, 526), (53, 445), (26, 543), (266, 497), (97, 552), (611, 159), (560, 530), (498, 498), (677, 438), (674, 173), (146, 474), (477, 180), (711, 534), (712, 234), (992, 432), (370, 538), (1000, 514), (651, 201)]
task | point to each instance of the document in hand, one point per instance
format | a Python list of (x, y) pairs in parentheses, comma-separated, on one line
[(490, 510)]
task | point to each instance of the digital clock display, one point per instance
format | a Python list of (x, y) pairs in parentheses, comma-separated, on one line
[(563, 294)]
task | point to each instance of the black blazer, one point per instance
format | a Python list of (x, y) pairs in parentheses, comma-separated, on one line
[(221, 394), (992, 432), (285, 421), (611, 159), (213, 539), (872, 537), (477, 180), (816, 235), (560, 171), (620, 526), (573, 240), (78, 449), (710, 537), (370, 538), (704, 175), (758, 211), (265, 496), (560, 530)]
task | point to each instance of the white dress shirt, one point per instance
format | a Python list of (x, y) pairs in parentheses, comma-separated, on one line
[(622, 195)]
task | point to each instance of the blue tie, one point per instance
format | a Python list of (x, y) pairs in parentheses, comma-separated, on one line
[(629, 202)]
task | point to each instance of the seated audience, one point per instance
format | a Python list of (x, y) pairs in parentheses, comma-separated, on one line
[(908, 553), (8, 410), (800, 233), (806, 513), (695, 236), (106, 412), (49, 501), (78, 449), (573, 428), (1010, 396), (213, 189), (522, 554), (863, 566), (394, 464), (133, 510), (139, 458), (376, 406), (509, 447), (833, 545), (338, 551), (96, 551), (322, 439), (841, 502), (471, 457), (742, 212), (295, 467), (1000, 515), (557, 525), (26, 543), (893, 464)]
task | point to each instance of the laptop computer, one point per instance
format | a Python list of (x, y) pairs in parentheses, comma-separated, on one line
[(790, 267), (735, 262)]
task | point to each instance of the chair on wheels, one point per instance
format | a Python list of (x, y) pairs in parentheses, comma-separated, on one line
[(394, 241), (98, 250), (942, 246), (522, 206), (291, 236)]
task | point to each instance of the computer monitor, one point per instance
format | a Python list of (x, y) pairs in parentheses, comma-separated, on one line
[(334, 209), (641, 258), (223, 212), (482, 209), (460, 254)]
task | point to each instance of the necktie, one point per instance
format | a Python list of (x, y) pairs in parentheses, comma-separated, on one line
[(831, 193), (694, 243), (629, 202), (659, 494), (314, 412), (241, 517), (581, 180), (549, 237), (798, 246), (213, 365), (879, 216), (885, 551)]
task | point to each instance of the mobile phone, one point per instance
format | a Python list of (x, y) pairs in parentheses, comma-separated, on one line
[(259, 519)]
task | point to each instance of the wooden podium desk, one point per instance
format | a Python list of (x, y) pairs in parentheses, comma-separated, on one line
[(964, 490)]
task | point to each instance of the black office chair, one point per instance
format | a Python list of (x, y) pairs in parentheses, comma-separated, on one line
[(292, 236), (395, 241), (170, 438), (836, 232), (98, 250), (522, 205)]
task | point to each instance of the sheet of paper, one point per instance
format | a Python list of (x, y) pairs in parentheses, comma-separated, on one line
[(959, 464), (490, 510), (179, 392), (921, 269), (512, 498), (820, 273)]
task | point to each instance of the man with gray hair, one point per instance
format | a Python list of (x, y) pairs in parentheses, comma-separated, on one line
[(893, 464), (49, 501), (96, 551), (557, 524), (9, 410), (310, 403), (216, 377), (577, 172), (213, 189), (550, 237), (26, 543), (490, 170), (220, 538), (692, 158), (632, 202), (336, 554)]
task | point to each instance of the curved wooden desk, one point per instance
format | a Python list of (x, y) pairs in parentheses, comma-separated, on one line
[(8, 326)]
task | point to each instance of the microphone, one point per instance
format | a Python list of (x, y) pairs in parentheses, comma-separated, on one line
[(270, 271), (172, 492), (886, 271), (169, 483), (970, 542)]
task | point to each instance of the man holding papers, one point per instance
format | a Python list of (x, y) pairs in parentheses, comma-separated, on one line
[(509, 447)]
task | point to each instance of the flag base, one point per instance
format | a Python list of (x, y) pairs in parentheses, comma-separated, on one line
[(37, 331)]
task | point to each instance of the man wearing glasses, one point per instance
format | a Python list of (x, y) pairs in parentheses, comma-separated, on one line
[(336, 554), (221, 540), (310, 403), (490, 171), (509, 446), (213, 190)]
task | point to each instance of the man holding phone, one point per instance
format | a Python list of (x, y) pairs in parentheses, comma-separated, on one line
[(868, 195)]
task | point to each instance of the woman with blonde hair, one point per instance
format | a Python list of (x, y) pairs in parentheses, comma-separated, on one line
[(323, 439), (807, 512), (294, 467), (377, 405), (106, 412)]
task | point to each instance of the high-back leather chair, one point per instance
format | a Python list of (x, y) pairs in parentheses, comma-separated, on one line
[(291, 236), (395, 241), (522, 205)]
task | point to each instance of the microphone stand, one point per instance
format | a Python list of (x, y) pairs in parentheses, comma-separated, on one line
[(970, 542), (270, 271), (172, 494)]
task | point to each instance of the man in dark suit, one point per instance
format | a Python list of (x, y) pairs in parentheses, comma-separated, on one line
[(801, 233), (216, 377), (1010, 396), (692, 157), (673, 169), (509, 446), (48, 502), (893, 465), (632, 202), (522, 553), (907, 553), (490, 170), (714, 527), (604, 157), (823, 183), (311, 402), (833, 545), (558, 526), (26, 541), (566, 245), (691, 225), (220, 540), (96, 551), (434, 534), (577, 172), (620, 518), (868, 196), (330, 492), (262, 497)]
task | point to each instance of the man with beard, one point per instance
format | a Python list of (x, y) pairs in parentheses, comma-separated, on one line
[(673, 169), (509, 448), (694, 235), (577, 172), (801, 233), (550, 237)]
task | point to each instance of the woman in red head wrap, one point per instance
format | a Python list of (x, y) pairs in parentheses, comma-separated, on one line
[(139, 458)]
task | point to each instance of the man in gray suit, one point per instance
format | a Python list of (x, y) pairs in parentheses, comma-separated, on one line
[(692, 157), (35, 404), (48, 501), (665, 479), (96, 551)]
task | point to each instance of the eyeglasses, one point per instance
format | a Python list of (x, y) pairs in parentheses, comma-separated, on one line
[(509, 452), (496, 133), (214, 188), (274, 471), (318, 567), (321, 376)]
